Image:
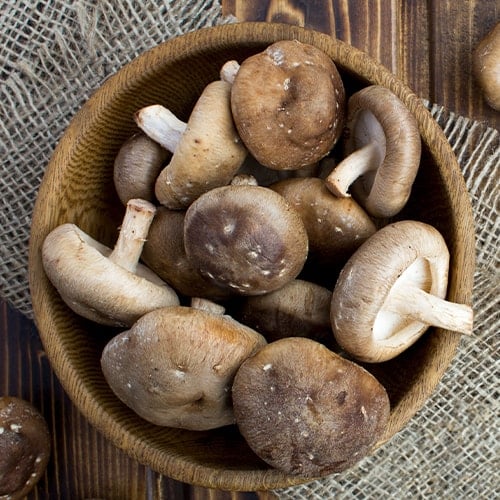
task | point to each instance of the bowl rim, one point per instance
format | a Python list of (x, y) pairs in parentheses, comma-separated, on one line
[(460, 286)]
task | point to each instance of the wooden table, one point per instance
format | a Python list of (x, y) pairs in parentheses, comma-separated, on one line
[(427, 44)]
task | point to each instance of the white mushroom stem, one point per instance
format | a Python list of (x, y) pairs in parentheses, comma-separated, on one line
[(207, 305), (358, 163), (161, 125), (415, 303), (134, 230), (228, 71), (244, 180)]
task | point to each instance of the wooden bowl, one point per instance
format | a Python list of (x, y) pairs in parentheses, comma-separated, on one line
[(78, 188)]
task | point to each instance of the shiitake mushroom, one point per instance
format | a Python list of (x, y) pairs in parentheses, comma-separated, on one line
[(245, 238), (307, 411), (24, 447)]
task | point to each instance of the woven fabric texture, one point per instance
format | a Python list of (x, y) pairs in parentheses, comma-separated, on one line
[(56, 54)]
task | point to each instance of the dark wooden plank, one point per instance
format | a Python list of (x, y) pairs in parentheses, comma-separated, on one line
[(413, 47), (372, 27), (314, 14), (455, 29), (369, 26)]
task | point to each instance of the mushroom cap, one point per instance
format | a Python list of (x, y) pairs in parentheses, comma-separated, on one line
[(288, 105), (164, 254), (175, 366), (245, 238), (96, 288), (486, 66), (376, 114), (335, 227), (307, 411), (402, 250), (298, 309), (136, 167), (24, 447), (208, 154)]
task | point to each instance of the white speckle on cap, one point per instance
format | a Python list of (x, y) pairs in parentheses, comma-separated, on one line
[(363, 411), (267, 367), (276, 55), (15, 427)]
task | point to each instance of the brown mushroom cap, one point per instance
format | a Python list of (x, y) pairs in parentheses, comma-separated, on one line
[(288, 105), (175, 366), (486, 66), (307, 411), (298, 309), (245, 238), (382, 152), (24, 447), (391, 290), (335, 227), (107, 286), (165, 255), (136, 167), (208, 154)]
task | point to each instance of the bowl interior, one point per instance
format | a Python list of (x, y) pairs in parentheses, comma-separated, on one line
[(78, 188)]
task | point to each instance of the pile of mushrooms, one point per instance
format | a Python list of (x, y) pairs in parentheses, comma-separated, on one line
[(269, 257)]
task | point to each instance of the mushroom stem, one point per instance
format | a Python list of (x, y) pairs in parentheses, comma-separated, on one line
[(161, 125), (358, 163), (429, 309), (202, 304), (133, 233), (229, 70), (244, 180)]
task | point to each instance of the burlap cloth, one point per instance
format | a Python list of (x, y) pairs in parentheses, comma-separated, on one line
[(55, 54)]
